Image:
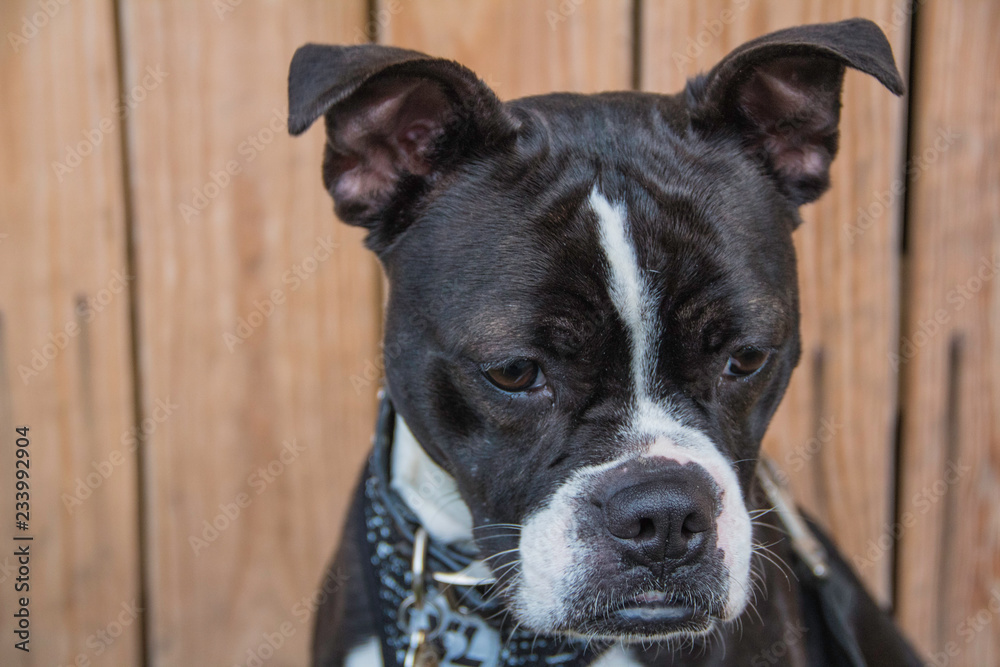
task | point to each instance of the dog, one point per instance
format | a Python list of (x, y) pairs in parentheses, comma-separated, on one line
[(592, 316)]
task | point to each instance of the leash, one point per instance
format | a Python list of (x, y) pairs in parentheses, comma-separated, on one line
[(435, 604), (827, 594)]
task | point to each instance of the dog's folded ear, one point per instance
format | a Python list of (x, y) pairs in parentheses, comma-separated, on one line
[(781, 94), (396, 120)]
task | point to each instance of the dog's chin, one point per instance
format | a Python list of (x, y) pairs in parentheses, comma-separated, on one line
[(649, 617), (647, 624)]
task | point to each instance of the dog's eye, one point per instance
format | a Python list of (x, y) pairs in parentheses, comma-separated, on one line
[(745, 362), (516, 375)]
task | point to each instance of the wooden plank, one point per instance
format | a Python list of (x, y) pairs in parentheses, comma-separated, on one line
[(523, 47), (64, 369), (949, 579), (834, 433), (249, 323)]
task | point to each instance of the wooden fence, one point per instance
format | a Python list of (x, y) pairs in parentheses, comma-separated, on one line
[(178, 306)]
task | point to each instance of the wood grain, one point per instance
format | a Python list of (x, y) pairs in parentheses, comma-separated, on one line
[(949, 561), (834, 432), (65, 371), (252, 251), (524, 47), (204, 88)]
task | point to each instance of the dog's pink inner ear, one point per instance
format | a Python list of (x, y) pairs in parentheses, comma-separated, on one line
[(791, 107), (388, 131)]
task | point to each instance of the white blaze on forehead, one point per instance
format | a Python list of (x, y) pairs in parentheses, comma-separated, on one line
[(626, 286)]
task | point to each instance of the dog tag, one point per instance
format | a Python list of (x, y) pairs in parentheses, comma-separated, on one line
[(468, 640), (422, 624), (461, 638)]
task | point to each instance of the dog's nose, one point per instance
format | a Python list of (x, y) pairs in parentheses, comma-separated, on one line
[(666, 518)]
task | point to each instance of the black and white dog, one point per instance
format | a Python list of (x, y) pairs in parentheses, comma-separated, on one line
[(592, 316)]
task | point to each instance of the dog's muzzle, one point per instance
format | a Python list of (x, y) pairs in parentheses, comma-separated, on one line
[(648, 546)]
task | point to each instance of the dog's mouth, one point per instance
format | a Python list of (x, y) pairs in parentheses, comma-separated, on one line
[(655, 608), (650, 615)]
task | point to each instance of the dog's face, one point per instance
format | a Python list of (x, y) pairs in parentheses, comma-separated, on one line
[(593, 309), (595, 358)]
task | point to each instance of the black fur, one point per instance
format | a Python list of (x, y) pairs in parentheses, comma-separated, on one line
[(477, 212)]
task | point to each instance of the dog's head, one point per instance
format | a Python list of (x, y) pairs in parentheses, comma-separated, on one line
[(593, 311)]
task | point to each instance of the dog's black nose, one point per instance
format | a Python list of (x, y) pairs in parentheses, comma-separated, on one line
[(669, 517)]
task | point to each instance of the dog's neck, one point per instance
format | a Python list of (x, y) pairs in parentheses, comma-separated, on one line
[(428, 490)]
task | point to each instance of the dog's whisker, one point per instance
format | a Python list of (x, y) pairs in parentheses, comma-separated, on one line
[(758, 513), (505, 567), (497, 537), (768, 526), (778, 562), (501, 553), (768, 545), (490, 526)]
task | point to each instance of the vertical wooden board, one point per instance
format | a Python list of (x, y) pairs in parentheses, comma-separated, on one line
[(519, 48), (834, 432), (65, 370), (259, 315), (949, 579)]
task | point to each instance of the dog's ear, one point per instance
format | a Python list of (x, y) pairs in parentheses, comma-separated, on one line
[(396, 120), (781, 94)]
